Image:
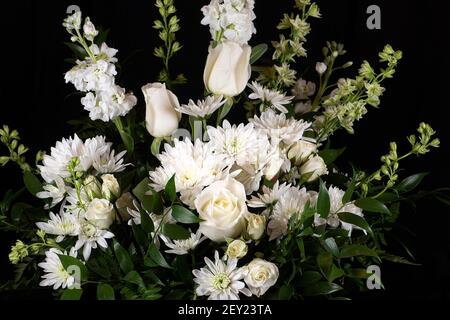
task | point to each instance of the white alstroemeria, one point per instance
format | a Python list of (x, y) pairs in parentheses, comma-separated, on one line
[(89, 29), (303, 89), (181, 247), (337, 206), (73, 22), (220, 280), (291, 203), (199, 167), (269, 196), (202, 108), (62, 225), (90, 237), (231, 18), (106, 105), (279, 128), (56, 193), (270, 98), (55, 273)]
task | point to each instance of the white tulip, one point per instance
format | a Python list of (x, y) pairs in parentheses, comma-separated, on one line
[(227, 69), (100, 213), (161, 118), (237, 249), (301, 151), (256, 225), (222, 208), (315, 166), (261, 276)]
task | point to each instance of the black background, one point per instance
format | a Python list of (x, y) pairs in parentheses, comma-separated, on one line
[(35, 99)]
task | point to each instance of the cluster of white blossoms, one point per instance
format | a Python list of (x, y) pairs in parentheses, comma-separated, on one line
[(230, 19), (95, 75)]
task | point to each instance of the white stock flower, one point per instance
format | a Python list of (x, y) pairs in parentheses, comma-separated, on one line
[(90, 236), (270, 98), (202, 108), (89, 29), (89, 76), (337, 206), (181, 247), (55, 273), (291, 203), (303, 89), (104, 52), (220, 280), (222, 208), (261, 276), (73, 22), (56, 193), (61, 225), (279, 128), (195, 166)]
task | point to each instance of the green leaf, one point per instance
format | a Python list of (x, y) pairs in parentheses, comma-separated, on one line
[(285, 292), (100, 266), (71, 294), (140, 190), (32, 183), (353, 250), (331, 246), (349, 193), (128, 141), (183, 215), (140, 236), (330, 155), (175, 232), (156, 145), (324, 261), (397, 259), (334, 273), (74, 267), (105, 292), (156, 256), (77, 50), (355, 220), (135, 278), (157, 206), (224, 110), (147, 222), (323, 201), (411, 182), (321, 288), (123, 257), (372, 205), (170, 189), (257, 52), (309, 277)]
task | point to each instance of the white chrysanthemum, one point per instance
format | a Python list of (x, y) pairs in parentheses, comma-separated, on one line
[(220, 280), (291, 203), (75, 202), (337, 206), (94, 152), (280, 128), (62, 225), (231, 18), (106, 105), (195, 166), (90, 236), (55, 273), (56, 193), (303, 89), (269, 196), (202, 108), (269, 98), (180, 247)]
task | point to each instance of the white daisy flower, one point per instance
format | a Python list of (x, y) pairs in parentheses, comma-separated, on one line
[(279, 128), (180, 247), (62, 225), (57, 192), (303, 89), (269, 196), (55, 273), (199, 167), (89, 237), (291, 203), (270, 98), (202, 108), (221, 280), (337, 206)]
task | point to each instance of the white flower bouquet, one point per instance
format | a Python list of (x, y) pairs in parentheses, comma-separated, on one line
[(189, 203)]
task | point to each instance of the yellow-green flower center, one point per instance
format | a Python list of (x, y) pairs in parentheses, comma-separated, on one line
[(221, 281)]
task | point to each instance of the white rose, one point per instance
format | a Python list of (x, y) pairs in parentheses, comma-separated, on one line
[(261, 276), (314, 165), (92, 187), (301, 151), (321, 68), (227, 69), (273, 166), (161, 119), (223, 209), (237, 249), (100, 213), (110, 187), (256, 224), (123, 203)]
